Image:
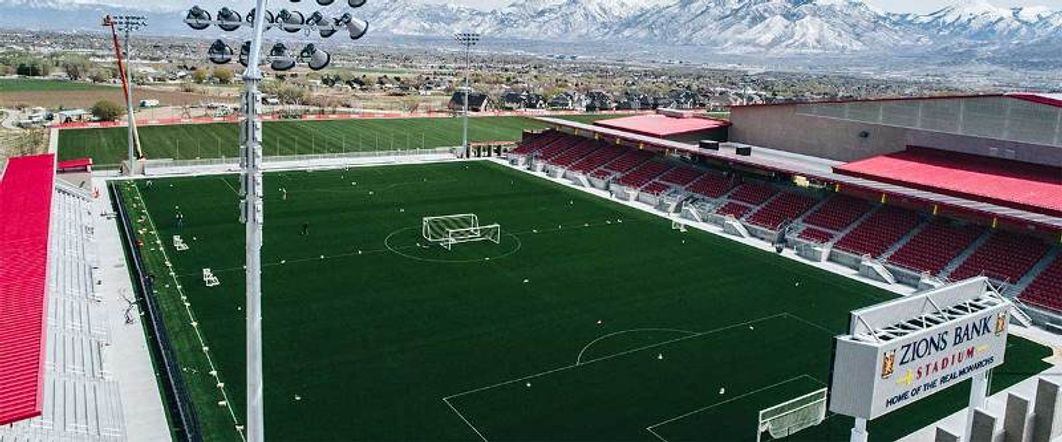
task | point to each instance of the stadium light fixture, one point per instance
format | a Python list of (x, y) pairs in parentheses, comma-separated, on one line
[(282, 59), (229, 20), (467, 40), (315, 58), (220, 53), (252, 212), (291, 21)]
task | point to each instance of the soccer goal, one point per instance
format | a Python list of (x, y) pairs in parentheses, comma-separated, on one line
[(794, 415), (448, 230)]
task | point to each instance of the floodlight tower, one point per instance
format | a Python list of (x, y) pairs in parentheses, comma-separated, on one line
[(252, 210), (127, 24), (467, 40)]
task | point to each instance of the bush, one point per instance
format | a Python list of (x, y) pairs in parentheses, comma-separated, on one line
[(107, 110)]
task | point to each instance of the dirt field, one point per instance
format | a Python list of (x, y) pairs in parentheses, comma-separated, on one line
[(84, 99)]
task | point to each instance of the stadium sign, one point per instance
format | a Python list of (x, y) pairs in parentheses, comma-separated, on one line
[(905, 350)]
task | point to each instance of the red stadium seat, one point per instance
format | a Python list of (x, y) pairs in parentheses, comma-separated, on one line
[(737, 210), (643, 174), (786, 207), (935, 246), (839, 212), (1005, 257), (753, 193), (1046, 290), (711, 185), (877, 233)]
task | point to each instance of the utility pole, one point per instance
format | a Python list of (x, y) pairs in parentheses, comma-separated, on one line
[(467, 39)]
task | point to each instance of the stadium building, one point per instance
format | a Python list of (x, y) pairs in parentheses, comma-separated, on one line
[(660, 276)]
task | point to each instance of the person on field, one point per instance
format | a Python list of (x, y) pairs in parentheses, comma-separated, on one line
[(180, 219), (283, 194), (305, 229)]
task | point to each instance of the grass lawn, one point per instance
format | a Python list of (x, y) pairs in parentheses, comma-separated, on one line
[(588, 321), (108, 146), (34, 85)]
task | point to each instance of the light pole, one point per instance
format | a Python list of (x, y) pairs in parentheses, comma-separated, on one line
[(467, 39), (252, 210), (128, 24)]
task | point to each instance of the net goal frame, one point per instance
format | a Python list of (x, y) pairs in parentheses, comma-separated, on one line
[(448, 230), (791, 416)]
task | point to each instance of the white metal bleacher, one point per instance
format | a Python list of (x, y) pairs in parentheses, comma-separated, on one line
[(81, 399)]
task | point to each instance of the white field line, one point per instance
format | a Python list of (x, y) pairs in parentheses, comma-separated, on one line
[(188, 310), (473, 427), (709, 407), (615, 355), (579, 358)]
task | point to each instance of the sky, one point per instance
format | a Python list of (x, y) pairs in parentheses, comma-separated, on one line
[(920, 6)]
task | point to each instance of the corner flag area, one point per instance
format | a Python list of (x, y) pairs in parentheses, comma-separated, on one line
[(586, 319)]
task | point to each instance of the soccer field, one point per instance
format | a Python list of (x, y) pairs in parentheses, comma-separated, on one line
[(108, 146), (589, 320)]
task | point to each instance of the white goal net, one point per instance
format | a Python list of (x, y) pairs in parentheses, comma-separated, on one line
[(448, 230), (794, 415)]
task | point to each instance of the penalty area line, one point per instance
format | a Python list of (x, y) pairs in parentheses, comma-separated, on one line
[(463, 418), (616, 355), (709, 407)]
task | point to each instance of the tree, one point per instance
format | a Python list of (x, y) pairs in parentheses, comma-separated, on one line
[(33, 67), (100, 75), (107, 110), (200, 75), (76, 66), (224, 75)]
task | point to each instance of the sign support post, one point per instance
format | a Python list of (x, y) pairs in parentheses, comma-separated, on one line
[(859, 431), (978, 398)]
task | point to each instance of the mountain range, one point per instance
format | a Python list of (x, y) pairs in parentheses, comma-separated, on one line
[(767, 27)]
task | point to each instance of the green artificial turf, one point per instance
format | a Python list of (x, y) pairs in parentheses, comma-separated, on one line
[(590, 320), (108, 146), (33, 85)]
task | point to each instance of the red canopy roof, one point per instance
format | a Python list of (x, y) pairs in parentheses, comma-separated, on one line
[(1010, 183), (657, 125), (25, 211), (79, 163)]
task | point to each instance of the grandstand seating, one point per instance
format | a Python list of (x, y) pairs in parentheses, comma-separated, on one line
[(753, 193), (656, 188), (1046, 290), (881, 230), (737, 210), (574, 154), (932, 248), (558, 147), (837, 213), (597, 159), (536, 142), (680, 176), (815, 235), (81, 401), (1005, 257), (628, 161), (644, 174), (784, 208), (711, 185)]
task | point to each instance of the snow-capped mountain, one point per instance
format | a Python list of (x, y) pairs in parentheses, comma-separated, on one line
[(776, 27)]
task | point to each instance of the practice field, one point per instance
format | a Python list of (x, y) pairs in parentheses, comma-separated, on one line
[(589, 320), (31, 85), (109, 145)]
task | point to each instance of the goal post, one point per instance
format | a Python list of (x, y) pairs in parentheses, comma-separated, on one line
[(448, 230), (793, 415)]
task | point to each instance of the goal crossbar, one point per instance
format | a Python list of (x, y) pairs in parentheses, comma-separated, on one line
[(793, 415), (448, 230)]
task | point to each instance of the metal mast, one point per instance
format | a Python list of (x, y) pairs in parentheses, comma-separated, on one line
[(128, 24), (467, 39)]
